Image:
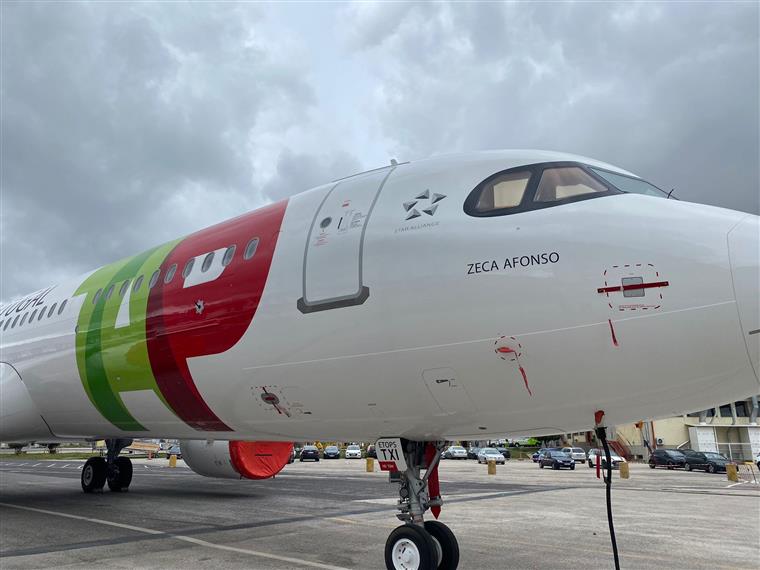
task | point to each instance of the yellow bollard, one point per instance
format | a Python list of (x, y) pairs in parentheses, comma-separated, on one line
[(625, 472), (492, 468), (370, 465), (172, 460), (732, 473)]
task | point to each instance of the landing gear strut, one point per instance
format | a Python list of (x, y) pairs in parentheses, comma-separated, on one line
[(420, 544), (114, 470)]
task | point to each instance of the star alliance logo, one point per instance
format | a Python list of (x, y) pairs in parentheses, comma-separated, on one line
[(424, 202)]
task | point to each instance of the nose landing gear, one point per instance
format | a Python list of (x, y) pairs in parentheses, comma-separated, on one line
[(114, 470), (420, 544)]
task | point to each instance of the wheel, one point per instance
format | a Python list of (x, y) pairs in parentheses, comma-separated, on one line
[(410, 547), (651, 465), (93, 474), (711, 468), (447, 542), (317, 459), (687, 467), (590, 465), (120, 475), (572, 467), (555, 467), (301, 460), (541, 465), (671, 466)]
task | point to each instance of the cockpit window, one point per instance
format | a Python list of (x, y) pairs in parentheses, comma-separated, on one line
[(536, 186), (630, 184), (505, 191), (567, 182)]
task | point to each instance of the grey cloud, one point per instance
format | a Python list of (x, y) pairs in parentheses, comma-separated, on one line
[(667, 91), (112, 111), (297, 172), (125, 125)]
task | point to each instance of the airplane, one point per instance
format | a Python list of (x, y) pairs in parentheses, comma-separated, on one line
[(463, 296)]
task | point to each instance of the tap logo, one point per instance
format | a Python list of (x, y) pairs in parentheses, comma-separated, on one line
[(424, 203)]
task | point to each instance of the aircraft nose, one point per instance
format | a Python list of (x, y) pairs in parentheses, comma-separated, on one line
[(744, 254)]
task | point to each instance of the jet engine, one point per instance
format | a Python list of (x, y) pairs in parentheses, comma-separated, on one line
[(236, 459)]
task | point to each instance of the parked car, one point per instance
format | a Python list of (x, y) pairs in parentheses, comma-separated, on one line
[(455, 452), (708, 461), (331, 452), (535, 456), (670, 458), (174, 449), (556, 460), (309, 452), (487, 454), (353, 452), (576, 453), (292, 457), (614, 457), (505, 452), (472, 452), (371, 451)]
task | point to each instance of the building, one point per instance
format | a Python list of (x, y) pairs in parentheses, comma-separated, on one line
[(731, 429)]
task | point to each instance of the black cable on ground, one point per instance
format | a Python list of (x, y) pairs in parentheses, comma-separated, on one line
[(601, 434)]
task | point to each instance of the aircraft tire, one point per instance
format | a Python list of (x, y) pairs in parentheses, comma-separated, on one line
[(411, 547), (93, 474), (447, 542), (121, 475)]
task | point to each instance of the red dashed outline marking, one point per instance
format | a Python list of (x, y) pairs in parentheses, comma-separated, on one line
[(626, 308), (501, 351)]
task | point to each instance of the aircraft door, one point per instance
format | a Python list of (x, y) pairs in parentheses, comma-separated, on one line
[(332, 265)]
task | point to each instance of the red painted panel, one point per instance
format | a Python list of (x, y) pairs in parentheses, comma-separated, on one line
[(176, 330), (260, 459)]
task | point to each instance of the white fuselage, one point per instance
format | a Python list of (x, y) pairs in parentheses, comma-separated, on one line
[(442, 325)]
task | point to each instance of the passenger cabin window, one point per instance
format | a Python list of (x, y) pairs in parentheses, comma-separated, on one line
[(188, 267), (154, 278), (96, 296), (630, 184), (7, 324), (207, 261), (42, 313), (13, 326), (228, 255), (62, 307), (109, 292), (250, 249), (124, 287), (23, 319), (170, 274), (52, 308), (138, 284), (561, 183), (505, 191)]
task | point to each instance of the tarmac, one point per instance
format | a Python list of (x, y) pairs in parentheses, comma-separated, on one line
[(333, 514)]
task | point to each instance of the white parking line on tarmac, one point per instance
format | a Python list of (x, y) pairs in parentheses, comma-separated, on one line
[(191, 540), (65, 466), (36, 464)]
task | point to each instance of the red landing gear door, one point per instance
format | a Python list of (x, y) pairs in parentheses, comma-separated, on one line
[(332, 265)]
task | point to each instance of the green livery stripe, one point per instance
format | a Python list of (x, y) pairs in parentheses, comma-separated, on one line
[(112, 360)]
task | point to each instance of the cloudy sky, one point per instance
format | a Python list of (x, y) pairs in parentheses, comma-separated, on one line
[(125, 125)]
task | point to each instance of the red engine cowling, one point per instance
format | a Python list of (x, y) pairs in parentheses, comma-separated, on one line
[(236, 459)]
